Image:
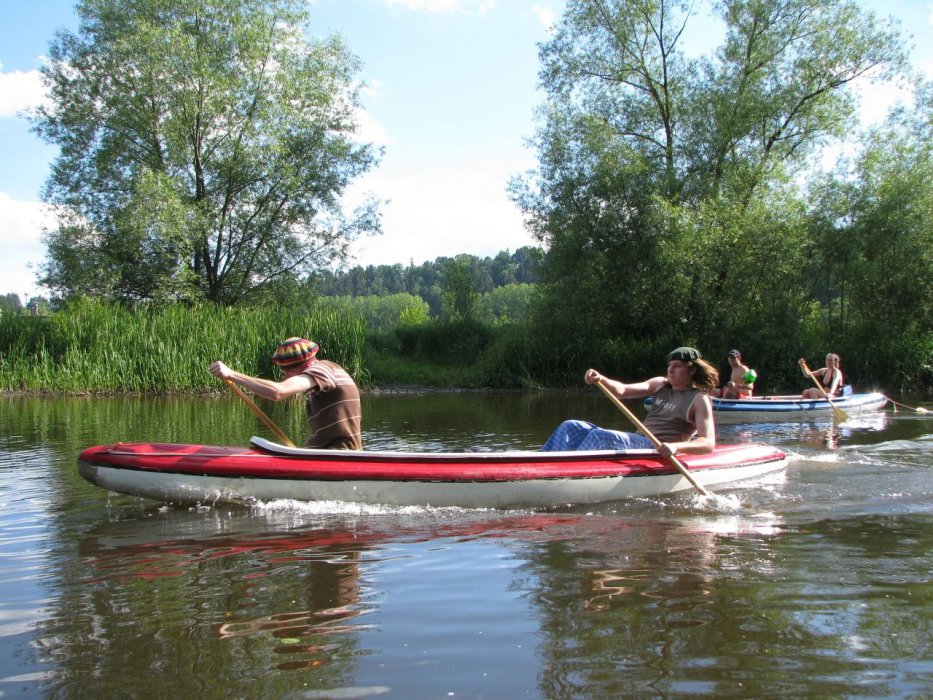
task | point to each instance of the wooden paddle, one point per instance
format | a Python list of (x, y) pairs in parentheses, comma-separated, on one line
[(839, 415), (259, 414), (648, 434)]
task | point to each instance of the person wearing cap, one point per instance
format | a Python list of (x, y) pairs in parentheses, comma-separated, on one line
[(680, 416), (332, 398), (742, 381)]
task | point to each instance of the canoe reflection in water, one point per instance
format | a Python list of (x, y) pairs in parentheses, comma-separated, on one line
[(329, 574), (306, 586)]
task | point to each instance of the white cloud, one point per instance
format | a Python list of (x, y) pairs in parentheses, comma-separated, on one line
[(442, 210), (371, 88), (875, 101), (22, 222), (546, 16), (427, 5), (877, 98), (369, 130), (466, 6), (21, 226), (927, 69), (20, 91)]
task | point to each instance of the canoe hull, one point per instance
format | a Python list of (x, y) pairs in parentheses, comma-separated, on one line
[(794, 408), (186, 474)]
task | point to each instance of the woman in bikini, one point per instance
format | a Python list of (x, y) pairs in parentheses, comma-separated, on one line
[(830, 378)]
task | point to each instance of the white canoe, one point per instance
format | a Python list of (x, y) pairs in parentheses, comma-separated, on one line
[(782, 408)]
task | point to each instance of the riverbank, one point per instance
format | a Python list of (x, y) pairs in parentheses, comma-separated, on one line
[(97, 349)]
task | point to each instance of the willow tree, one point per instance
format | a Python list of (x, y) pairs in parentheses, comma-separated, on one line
[(204, 148), (664, 191), (872, 252)]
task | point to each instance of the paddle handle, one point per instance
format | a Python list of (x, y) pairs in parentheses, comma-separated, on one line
[(259, 413), (648, 434)]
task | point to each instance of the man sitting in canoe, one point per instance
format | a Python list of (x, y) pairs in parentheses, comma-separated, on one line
[(332, 398), (681, 415), (742, 382)]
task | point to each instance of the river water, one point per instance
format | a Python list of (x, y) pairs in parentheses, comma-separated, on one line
[(812, 583)]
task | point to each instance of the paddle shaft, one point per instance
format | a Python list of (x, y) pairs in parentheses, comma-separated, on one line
[(259, 414), (648, 434), (840, 415)]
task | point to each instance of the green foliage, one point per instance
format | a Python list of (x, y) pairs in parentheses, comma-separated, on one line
[(203, 149), (528, 355), (390, 369), (459, 290), (667, 191), (97, 347), (10, 303), (414, 314), (872, 257), (624, 96), (380, 313), (426, 280), (668, 196), (508, 304), (451, 341)]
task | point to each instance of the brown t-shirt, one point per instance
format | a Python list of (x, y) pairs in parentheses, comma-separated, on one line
[(333, 407), (667, 417)]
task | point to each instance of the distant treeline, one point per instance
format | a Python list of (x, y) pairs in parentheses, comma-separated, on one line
[(427, 280)]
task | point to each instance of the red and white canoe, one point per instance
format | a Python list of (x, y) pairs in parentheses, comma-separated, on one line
[(268, 471)]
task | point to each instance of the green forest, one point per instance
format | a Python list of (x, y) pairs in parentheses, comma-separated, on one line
[(676, 200)]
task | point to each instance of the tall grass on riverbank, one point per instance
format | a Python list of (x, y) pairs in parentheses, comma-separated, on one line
[(96, 347)]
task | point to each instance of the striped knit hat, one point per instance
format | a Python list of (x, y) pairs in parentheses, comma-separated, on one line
[(294, 351)]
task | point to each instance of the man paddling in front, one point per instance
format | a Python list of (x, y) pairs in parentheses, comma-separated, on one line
[(332, 398)]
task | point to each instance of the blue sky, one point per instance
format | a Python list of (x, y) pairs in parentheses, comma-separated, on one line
[(451, 88)]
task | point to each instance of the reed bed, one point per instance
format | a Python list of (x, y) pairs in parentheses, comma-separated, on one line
[(97, 347)]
